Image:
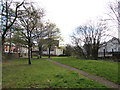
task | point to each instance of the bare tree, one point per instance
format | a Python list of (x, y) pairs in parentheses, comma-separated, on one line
[(18, 39), (40, 33), (114, 11), (9, 16), (114, 14), (53, 34), (28, 21), (89, 37)]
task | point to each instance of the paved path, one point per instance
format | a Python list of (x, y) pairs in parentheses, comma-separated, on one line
[(101, 80)]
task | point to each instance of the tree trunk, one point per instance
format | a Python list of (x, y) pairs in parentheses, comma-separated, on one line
[(49, 52), (10, 48), (3, 41), (10, 45), (40, 52), (29, 55), (95, 53), (29, 52), (104, 52)]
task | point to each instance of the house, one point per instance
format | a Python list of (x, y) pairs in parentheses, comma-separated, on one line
[(10, 48), (21, 50), (55, 49), (110, 48)]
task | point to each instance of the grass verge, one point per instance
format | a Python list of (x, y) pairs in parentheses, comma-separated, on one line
[(106, 69), (42, 74)]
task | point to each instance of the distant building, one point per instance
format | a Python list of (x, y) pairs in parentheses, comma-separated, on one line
[(15, 49), (109, 48), (23, 51), (7, 48), (55, 49)]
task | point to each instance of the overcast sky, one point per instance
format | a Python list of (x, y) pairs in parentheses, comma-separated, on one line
[(68, 14)]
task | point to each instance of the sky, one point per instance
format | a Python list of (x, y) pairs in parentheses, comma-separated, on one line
[(69, 14)]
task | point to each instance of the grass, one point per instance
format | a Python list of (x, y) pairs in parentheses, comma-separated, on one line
[(106, 69), (42, 74)]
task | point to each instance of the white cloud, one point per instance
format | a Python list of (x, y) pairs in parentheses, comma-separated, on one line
[(68, 14)]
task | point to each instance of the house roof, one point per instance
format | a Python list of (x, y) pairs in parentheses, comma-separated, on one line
[(113, 41)]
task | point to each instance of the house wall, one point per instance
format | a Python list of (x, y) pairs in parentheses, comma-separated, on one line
[(56, 51), (12, 49), (22, 51), (113, 45), (59, 51), (110, 46), (47, 52), (119, 31)]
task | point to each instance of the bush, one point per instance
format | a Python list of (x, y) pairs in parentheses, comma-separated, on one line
[(63, 55), (9, 56)]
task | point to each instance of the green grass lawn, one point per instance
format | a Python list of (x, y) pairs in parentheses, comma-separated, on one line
[(106, 69), (42, 74)]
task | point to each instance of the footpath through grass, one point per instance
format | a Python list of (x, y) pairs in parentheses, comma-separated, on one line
[(42, 74), (106, 69)]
